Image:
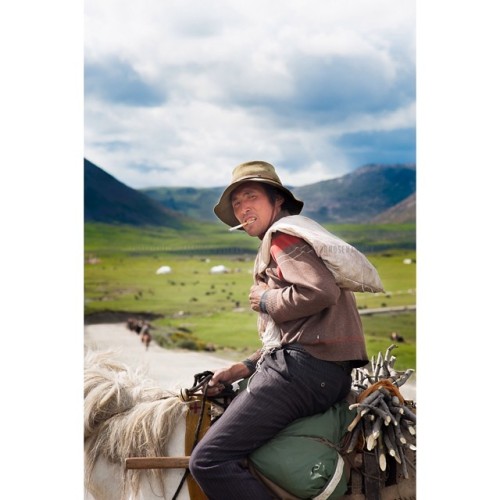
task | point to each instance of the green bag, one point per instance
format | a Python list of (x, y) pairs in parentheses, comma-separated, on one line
[(302, 458)]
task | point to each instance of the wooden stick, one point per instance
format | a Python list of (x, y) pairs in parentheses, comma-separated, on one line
[(398, 431), (354, 422), (354, 439), (157, 463), (382, 461)]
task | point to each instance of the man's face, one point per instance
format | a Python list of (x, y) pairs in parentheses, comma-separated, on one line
[(251, 204)]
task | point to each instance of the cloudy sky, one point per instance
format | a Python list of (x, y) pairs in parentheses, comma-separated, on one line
[(179, 92)]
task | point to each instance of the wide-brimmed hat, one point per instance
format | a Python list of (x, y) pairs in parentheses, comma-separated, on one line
[(253, 171)]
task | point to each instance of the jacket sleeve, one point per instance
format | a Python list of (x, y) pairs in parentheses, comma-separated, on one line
[(303, 285)]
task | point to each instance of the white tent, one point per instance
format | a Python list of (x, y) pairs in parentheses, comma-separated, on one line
[(164, 270), (219, 270)]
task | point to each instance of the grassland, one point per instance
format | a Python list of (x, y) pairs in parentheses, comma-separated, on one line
[(192, 308)]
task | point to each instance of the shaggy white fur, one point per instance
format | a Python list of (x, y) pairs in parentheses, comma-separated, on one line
[(126, 415)]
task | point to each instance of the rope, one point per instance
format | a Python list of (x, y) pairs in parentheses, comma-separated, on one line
[(381, 383)]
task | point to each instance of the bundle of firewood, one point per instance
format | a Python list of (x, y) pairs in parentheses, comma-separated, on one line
[(385, 422)]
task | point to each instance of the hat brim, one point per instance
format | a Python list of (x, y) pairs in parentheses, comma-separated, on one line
[(224, 208)]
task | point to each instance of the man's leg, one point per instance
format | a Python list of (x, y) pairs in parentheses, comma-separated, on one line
[(289, 385)]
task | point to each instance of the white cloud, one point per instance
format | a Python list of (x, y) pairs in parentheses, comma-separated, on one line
[(227, 81)]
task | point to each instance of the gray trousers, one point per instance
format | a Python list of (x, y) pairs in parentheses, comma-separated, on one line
[(289, 384)]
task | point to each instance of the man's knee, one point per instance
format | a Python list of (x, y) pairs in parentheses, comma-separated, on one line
[(196, 464)]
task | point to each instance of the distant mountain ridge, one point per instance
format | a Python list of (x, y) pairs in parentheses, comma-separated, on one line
[(358, 197), (372, 193), (197, 203), (361, 195)]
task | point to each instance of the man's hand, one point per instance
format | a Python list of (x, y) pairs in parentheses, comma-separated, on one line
[(227, 375), (255, 296)]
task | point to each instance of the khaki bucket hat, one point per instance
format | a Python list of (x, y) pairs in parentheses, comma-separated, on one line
[(255, 171)]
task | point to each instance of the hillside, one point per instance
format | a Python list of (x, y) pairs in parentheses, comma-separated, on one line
[(110, 201), (357, 197), (404, 211)]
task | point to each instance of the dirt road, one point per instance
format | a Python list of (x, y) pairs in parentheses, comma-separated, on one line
[(170, 369)]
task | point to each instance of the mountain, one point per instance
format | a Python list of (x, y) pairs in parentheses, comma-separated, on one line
[(110, 201), (370, 194), (197, 203), (357, 197), (360, 195)]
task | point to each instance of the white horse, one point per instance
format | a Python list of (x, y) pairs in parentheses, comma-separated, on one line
[(126, 415)]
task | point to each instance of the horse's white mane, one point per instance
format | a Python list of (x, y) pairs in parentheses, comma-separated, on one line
[(125, 415)]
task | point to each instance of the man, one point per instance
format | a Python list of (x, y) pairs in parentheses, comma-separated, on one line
[(311, 332)]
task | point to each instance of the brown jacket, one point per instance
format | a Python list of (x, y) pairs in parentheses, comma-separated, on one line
[(307, 305)]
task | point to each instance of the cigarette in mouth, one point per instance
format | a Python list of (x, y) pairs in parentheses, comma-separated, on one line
[(249, 221)]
